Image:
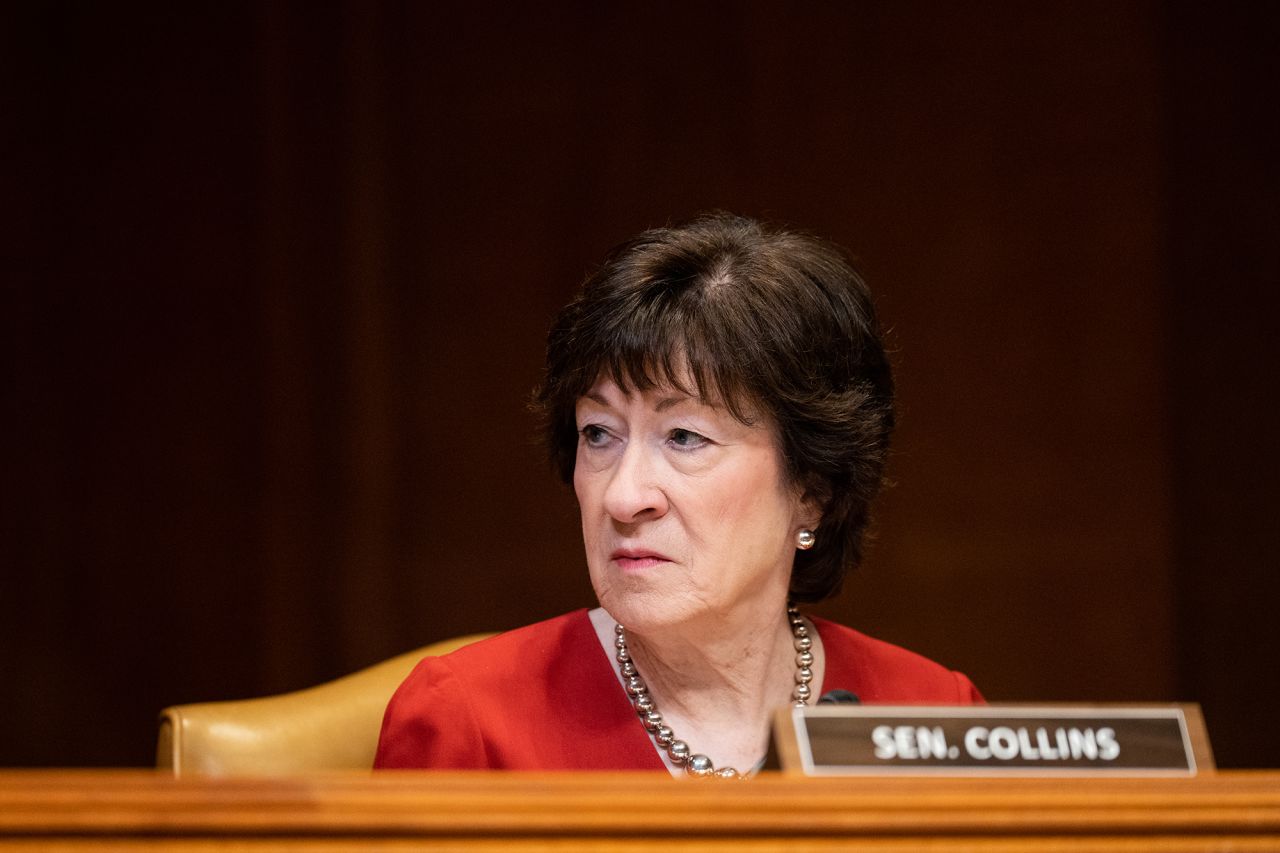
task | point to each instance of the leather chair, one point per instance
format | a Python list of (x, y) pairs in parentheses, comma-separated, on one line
[(333, 726)]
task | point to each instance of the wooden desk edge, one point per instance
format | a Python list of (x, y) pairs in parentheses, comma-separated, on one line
[(77, 808)]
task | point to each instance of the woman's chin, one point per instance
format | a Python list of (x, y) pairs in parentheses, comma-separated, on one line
[(643, 613)]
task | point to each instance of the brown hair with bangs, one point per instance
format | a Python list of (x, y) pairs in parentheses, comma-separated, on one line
[(758, 319)]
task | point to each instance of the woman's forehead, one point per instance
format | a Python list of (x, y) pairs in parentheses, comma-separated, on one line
[(663, 396), (669, 373), (660, 396)]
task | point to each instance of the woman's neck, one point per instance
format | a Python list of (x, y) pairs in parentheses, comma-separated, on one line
[(716, 682)]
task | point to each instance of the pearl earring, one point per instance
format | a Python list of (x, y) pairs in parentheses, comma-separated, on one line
[(805, 540)]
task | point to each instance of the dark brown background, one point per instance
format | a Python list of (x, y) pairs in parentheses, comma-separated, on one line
[(279, 278)]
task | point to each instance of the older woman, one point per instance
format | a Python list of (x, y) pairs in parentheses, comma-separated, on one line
[(719, 397)]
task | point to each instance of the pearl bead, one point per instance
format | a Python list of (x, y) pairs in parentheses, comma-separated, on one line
[(664, 735), (804, 659), (652, 720), (700, 766), (679, 751), (726, 773)]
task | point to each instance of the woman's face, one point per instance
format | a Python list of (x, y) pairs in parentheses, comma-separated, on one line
[(686, 511)]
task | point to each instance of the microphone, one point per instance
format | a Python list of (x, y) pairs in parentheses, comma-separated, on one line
[(839, 697)]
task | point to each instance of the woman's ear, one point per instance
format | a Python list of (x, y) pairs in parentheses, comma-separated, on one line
[(812, 517), (808, 509)]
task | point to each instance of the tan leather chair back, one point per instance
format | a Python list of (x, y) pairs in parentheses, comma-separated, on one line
[(333, 726)]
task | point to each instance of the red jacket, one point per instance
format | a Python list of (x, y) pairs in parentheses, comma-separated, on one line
[(545, 697)]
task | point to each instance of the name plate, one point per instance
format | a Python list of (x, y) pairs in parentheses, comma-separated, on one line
[(992, 740)]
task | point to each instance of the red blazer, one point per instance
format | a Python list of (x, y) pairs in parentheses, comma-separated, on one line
[(545, 697)]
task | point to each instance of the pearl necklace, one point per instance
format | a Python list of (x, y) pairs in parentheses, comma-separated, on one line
[(696, 764)]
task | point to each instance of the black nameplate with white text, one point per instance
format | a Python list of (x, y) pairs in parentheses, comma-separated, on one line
[(1023, 740)]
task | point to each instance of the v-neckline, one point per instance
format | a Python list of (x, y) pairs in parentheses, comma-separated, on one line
[(601, 625)]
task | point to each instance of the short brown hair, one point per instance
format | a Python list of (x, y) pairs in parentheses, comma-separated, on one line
[(758, 317)]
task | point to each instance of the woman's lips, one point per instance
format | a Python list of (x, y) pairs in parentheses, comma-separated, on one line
[(637, 558)]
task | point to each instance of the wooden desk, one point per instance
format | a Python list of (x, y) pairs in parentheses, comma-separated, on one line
[(140, 810)]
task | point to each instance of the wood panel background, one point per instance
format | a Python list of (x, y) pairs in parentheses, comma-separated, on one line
[(280, 277)]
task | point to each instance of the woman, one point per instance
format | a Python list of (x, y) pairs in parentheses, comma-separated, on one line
[(719, 397)]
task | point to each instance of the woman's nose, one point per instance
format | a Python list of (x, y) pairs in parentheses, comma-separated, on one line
[(634, 493)]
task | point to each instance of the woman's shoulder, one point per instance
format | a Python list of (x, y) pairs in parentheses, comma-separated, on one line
[(518, 645), (539, 697), (881, 672), (529, 655)]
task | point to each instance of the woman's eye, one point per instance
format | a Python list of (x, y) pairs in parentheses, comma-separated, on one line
[(687, 439), (594, 435)]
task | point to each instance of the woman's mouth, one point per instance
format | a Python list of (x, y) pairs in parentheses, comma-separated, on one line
[(635, 559)]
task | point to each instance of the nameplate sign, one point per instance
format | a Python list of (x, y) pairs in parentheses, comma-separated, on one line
[(993, 740)]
